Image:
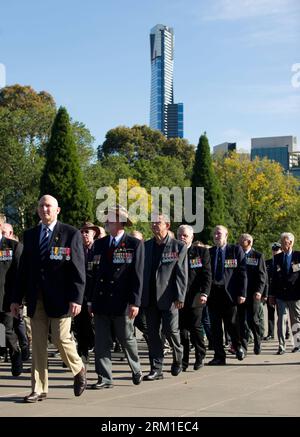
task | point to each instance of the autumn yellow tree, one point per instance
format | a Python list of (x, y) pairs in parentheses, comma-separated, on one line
[(260, 198)]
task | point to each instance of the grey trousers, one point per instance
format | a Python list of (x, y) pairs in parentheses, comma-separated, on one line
[(294, 309), (124, 332), (167, 320)]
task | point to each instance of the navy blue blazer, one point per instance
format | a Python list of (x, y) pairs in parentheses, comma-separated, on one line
[(117, 276), (286, 286), (60, 278)]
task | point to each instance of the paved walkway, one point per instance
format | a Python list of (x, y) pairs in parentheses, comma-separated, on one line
[(263, 385)]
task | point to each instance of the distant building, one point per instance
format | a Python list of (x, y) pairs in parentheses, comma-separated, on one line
[(165, 115), (224, 148), (279, 149)]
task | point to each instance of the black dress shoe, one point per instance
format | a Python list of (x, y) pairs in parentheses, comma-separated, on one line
[(185, 365), (137, 378), (80, 382), (240, 354), (176, 369), (35, 397), (198, 365), (296, 349), (269, 337), (99, 385), (153, 375), (217, 362), (280, 352)]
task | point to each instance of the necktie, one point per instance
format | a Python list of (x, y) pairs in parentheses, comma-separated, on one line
[(219, 266), (113, 243), (286, 263), (44, 244)]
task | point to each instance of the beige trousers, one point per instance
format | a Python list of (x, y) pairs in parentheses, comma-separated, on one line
[(61, 337)]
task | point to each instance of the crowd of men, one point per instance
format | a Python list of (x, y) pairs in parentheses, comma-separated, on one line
[(172, 289)]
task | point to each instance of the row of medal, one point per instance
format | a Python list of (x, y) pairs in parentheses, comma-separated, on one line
[(195, 262), (122, 256), (251, 261), (60, 253), (6, 255), (230, 263), (169, 257)]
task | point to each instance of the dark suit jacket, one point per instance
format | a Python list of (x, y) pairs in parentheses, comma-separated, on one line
[(199, 281), (256, 273), (286, 286), (235, 278), (171, 275), (8, 271), (60, 281), (117, 284)]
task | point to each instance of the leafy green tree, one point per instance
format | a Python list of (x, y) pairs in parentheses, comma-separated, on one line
[(204, 176), (62, 176), (260, 199)]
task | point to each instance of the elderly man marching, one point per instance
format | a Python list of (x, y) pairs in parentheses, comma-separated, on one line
[(229, 289), (52, 280), (285, 290), (115, 295), (199, 284)]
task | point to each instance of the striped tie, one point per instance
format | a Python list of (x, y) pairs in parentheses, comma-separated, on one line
[(44, 244)]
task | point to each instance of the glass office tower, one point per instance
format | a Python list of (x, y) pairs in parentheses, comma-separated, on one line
[(163, 111)]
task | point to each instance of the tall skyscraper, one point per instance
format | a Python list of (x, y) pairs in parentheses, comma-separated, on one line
[(165, 115)]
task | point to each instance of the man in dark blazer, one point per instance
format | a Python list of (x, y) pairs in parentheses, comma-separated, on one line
[(10, 252), (165, 284), (285, 291), (115, 296), (229, 289), (198, 289), (249, 313), (52, 280)]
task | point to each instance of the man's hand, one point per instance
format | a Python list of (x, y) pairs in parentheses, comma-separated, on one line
[(133, 311), (15, 310), (178, 304), (203, 299), (241, 300), (74, 309), (257, 296)]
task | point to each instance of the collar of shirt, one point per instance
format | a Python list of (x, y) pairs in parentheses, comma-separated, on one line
[(50, 227), (248, 251), (117, 238)]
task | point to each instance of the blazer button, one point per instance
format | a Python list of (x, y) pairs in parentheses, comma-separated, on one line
[(101, 280), (111, 294), (112, 282), (100, 293)]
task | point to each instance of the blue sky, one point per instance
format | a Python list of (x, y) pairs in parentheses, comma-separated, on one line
[(233, 61)]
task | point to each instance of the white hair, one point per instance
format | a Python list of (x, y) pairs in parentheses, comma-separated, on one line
[(288, 235), (188, 228), (247, 237)]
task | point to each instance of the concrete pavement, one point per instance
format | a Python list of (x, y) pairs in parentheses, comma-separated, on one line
[(261, 385)]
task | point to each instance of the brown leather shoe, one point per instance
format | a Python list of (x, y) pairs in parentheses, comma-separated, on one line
[(80, 382), (35, 397)]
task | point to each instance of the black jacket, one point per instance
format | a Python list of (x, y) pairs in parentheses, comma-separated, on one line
[(286, 286), (60, 281), (235, 275), (10, 252), (117, 276), (256, 273), (199, 281)]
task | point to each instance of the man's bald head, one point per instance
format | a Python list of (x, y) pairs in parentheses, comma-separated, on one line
[(48, 209)]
